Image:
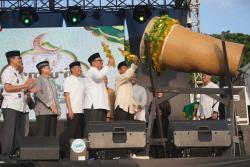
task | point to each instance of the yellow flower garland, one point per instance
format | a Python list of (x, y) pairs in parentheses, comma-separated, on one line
[(128, 56), (107, 51), (157, 35)]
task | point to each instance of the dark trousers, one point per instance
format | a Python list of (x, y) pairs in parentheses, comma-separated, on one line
[(27, 123), (46, 125), (74, 130), (157, 151), (121, 115), (13, 128), (75, 126), (95, 114)]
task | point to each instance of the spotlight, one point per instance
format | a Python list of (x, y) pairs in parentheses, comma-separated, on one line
[(74, 15), (96, 14), (28, 16), (141, 13), (120, 13)]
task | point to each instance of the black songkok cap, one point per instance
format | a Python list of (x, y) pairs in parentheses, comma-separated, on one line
[(42, 64), (12, 53), (123, 63), (75, 63), (93, 57)]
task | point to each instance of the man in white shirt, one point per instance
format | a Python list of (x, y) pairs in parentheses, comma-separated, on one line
[(125, 104), (140, 96), (96, 102), (14, 103), (208, 107), (74, 97)]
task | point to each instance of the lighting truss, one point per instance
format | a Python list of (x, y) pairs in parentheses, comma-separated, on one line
[(194, 20), (194, 14), (48, 5)]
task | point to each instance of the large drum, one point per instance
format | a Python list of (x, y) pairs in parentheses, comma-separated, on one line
[(175, 47)]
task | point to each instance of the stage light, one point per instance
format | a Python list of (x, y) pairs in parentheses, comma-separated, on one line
[(74, 19), (28, 16), (141, 18), (74, 15), (141, 13), (26, 20), (96, 14)]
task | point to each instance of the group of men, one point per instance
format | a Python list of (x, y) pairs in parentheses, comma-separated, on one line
[(87, 99)]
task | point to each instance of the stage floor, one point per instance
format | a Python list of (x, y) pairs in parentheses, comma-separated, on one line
[(170, 162)]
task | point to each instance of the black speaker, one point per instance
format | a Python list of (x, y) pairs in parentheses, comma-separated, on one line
[(39, 148), (205, 133), (117, 134)]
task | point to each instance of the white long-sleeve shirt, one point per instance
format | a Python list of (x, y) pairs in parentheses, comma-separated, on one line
[(140, 96), (96, 93), (207, 104), (124, 90)]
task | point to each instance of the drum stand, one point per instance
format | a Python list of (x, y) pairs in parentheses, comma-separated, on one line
[(228, 93)]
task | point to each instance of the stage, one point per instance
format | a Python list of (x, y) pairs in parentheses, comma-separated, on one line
[(187, 162)]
